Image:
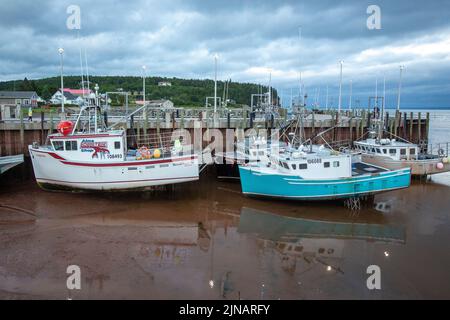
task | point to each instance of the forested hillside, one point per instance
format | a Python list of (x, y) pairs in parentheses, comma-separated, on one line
[(183, 92)]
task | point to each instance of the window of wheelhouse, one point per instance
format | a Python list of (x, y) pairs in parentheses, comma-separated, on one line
[(412, 151), (71, 145), (58, 145), (116, 145), (392, 151), (403, 152)]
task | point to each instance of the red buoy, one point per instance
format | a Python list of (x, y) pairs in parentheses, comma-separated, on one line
[(65, 127)]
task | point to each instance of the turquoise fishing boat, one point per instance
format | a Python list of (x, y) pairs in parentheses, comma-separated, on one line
[(317, 173)]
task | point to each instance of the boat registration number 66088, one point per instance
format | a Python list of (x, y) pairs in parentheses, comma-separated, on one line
[(316, 160)]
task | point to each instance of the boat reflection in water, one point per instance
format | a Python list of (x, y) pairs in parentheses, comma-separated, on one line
[(295, 237)]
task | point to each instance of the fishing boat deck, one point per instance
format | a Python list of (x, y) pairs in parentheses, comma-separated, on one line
[(361, 168)]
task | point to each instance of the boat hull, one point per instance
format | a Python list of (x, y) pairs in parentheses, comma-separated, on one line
[(53, 172), (418, 167), (292, 187), (9, 162)]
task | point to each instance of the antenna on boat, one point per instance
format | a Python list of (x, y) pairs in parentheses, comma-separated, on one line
[(376, 92), (326, 99), (291, 99), (81, 65), (270, 88), (61, 53), (301, 101), (87, 75)]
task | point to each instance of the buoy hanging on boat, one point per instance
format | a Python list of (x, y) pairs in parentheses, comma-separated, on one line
[(65, 127), (144, 152), (440, 166), (157, 153), (445, 160)]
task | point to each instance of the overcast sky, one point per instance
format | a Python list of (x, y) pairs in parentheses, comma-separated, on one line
[(180, 37)]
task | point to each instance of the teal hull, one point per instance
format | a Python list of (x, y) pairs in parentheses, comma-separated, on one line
[(294, 187)]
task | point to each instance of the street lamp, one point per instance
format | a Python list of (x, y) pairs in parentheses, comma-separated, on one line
[(399, 88), (61, 53), (143, 83)]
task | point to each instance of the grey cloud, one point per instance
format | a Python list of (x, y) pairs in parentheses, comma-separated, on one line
[(178, 38)]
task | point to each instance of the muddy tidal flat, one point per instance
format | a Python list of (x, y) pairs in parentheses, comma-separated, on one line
[(205, 240)]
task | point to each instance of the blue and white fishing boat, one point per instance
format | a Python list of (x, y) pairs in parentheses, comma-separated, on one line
[(318, 173)]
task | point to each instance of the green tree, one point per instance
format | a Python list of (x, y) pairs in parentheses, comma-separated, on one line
[(45, 93)]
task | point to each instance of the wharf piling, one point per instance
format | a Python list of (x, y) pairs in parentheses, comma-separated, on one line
[(17, 134)]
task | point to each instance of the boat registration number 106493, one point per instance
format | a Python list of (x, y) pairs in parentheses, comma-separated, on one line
[(115, 156), (316, 160)]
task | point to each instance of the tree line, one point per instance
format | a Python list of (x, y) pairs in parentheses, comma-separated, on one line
[(182, 92)]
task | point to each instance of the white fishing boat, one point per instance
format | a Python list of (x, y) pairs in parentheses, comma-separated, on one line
[(393, 154), (9, 162), (88, 156)]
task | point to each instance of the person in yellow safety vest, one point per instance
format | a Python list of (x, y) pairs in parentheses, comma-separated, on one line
[(177, 145), (30, 114)]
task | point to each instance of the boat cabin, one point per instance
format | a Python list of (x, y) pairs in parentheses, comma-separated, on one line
[(317, 163), (388, 148), (110, 146)]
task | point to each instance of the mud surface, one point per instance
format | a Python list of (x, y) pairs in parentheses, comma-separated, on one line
[(205, 240)]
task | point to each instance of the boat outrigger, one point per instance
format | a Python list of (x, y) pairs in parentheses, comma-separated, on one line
[(88, 156)]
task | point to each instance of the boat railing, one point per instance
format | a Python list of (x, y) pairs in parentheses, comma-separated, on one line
[(441, 148), (165, 141)]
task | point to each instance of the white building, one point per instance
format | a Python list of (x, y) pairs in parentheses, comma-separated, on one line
[(69, 98)]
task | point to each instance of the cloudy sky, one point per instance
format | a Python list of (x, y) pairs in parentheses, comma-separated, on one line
[(180, 37)]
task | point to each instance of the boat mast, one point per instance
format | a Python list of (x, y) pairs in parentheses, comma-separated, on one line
[(399, 88), (350, 102), (381, 129), (340, 88)]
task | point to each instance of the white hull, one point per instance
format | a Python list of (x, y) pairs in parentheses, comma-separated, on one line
[(9, 162), (418, 167), (51, 170)]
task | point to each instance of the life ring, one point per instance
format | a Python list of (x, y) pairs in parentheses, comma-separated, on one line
[(144, 152)]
